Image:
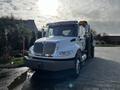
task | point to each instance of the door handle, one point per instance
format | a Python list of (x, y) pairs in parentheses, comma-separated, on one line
[(80, 39)]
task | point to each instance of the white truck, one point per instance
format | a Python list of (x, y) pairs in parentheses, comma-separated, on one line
[(66, 45)]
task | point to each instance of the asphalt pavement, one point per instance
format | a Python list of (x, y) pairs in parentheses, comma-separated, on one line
[(100, 73), (7, 76)]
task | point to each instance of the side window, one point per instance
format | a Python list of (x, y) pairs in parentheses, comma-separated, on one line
[(81, 31)]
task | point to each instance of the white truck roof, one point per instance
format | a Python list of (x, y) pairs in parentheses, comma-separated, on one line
[(63, 23)]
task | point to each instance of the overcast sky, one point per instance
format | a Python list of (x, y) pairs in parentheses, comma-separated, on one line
[(103, 14)]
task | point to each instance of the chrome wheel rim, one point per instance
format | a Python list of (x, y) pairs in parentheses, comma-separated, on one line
[(77, 66)]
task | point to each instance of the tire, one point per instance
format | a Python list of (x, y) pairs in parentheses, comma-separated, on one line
[(33, 69), (92, 52), (78, 64), (92, 46)]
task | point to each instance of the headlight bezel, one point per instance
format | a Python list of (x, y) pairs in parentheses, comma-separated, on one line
[(65, 53), (31, 50)]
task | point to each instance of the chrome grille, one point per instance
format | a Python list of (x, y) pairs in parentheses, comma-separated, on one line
[(38, 48), (49, 47), (44, 48)]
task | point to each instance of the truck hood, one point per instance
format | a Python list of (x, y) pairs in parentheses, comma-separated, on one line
[(55, 39)]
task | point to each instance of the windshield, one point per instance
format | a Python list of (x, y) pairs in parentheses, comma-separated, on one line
[(62, 30)]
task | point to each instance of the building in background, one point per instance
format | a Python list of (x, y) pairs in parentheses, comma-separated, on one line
[(30, 24), (108, 39), (112, 39)]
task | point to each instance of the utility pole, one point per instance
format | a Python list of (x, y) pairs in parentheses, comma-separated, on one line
[(23, 39), (6, 47), (23, 45)]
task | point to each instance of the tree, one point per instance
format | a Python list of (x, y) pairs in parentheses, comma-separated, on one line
[(13, 36), (25, 36)]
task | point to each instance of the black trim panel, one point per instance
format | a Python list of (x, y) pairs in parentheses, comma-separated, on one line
[(73, 40), (69, 59)]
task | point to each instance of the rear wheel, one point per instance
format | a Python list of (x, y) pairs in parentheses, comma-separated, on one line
[(92, 52), (92, 46), (78, 63)]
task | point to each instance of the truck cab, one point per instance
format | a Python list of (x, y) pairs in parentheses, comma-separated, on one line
[(66, 45)]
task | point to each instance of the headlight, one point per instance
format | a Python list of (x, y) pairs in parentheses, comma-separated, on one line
[(30, 50), (65, 53)]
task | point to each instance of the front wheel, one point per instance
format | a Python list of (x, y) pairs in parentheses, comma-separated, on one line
[(78, 63)]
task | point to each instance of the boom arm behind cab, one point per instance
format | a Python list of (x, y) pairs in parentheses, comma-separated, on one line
[(89, 38)]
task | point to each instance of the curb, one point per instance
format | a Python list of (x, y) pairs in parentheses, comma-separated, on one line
[(17, 81), (11, 66)]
